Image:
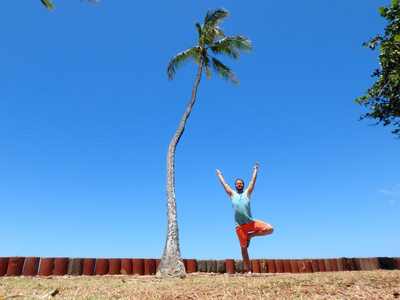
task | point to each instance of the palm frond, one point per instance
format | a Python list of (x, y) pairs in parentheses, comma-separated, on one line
[(211, 34), (231, 46), (181, 59), (210, 29), (48, 4), (223, 71), (207, 35), (199, 29), (207, 66), (213, 17), (196, 54), (227, 51), (232, 43)]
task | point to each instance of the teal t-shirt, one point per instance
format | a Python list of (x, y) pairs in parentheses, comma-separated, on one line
[(241, 207)]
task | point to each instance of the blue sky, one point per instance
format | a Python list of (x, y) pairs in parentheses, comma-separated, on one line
[(87, 114)]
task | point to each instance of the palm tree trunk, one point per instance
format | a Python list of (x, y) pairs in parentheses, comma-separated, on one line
[(171, 263)]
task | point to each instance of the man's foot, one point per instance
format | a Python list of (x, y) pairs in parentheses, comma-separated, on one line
[(249, 274)]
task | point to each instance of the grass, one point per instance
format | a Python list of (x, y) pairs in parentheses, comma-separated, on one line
[(338, 285)]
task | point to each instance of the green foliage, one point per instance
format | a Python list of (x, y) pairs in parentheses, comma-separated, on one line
[(49, 5), (383, 98), (212, 39)]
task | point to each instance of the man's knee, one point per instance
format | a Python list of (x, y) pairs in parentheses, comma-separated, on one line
[(269, 229)]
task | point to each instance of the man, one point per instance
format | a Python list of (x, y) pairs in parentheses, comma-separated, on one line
[(246, 226)]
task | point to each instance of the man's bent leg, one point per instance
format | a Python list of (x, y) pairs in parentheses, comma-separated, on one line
[(267, 230), (246, 260)]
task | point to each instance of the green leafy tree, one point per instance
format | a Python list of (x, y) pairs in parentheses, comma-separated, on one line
[(212, 40), (382, 98), (49, 5)]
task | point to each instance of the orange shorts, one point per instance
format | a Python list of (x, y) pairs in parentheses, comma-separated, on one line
[(244, 229)]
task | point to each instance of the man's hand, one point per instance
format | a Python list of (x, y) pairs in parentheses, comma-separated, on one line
[(227, 189), (253, 181)]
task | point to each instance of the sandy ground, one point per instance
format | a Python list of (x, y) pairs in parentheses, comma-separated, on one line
[(380, 284)]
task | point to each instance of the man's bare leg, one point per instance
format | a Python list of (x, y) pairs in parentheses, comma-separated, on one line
[(268, 230), (246, 260)]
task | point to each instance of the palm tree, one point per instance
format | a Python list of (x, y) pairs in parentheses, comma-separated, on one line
[(50, 6), (212, 39)]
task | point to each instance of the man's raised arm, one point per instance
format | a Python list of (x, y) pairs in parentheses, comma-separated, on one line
[(228, 190), (253, 180)]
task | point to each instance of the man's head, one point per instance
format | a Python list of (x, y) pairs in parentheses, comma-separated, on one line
[(239, 185)]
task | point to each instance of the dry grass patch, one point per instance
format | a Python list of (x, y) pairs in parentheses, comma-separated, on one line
[(336, 285)]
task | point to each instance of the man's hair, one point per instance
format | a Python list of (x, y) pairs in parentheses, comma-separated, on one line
[(240, 180)]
